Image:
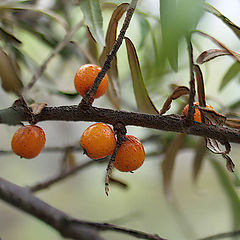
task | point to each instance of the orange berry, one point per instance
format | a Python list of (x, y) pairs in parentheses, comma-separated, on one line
[(85, 77), (130, 155), (197, 113), (28, 141), (98, 141)]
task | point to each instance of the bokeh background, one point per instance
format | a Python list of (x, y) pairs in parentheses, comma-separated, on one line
[(195, 210)]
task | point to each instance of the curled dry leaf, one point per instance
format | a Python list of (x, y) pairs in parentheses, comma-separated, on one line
[(233, 123), (178, 92), (217, 148), (211, 54), (37, 107), (221, 45), (211, 116), (229, 163)]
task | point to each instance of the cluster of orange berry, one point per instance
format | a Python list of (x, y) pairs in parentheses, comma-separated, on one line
[(98, 140)]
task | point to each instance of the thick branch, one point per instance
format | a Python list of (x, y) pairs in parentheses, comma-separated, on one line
[(172, 123), (67, 226)]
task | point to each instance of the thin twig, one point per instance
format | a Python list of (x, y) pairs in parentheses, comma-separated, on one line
[(89, 97), (47, 149), (84, 51), (111, 227), (58, 48), (66, 225)]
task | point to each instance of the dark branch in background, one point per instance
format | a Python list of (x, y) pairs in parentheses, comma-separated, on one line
[(174, 123), (67, 226), (191, 82), (60, 177), (89, 97)]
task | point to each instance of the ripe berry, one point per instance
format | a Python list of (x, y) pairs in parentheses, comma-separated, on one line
[(130, 155), (98, 141), (85, 77), (197, 113), (28, 141)]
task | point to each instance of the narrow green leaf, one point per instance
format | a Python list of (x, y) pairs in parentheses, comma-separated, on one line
[(168, 15), (93, 17), (169, 161), (178, 19), (144, 102), (9, 75), (68, 94), (231, 73), (228, 22), (229, 190), (145, 28)]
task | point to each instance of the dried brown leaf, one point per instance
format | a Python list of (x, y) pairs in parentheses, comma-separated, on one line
[(217, 148), (229, 163), (234, 54), (211, 54), (37, 107), (178, 92), (144, 101), (200, 86), (9, 74), (211, 116), (233, 123), (114, 88), (169, 161)]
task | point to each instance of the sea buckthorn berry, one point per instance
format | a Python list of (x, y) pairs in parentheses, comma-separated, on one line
[(85, 77), (197, 113), (130, 155), (28, 141), (98, 141)]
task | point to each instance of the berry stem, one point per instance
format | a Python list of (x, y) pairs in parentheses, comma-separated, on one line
[(89, 96), (121, 131)]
